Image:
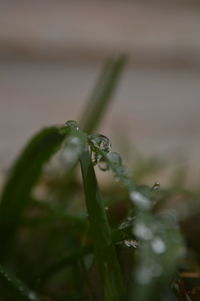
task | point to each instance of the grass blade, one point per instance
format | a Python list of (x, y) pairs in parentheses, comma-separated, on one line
[(103, 246), (102, 93), (23, 177), (15, 288), (73, 256)]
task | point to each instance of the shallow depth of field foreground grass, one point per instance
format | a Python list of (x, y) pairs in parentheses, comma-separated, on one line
[(63, 239)]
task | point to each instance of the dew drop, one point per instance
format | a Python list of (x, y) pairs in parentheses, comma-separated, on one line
[(72, 124), (115, 158), (140, 200), (71, 149), (103, 164), (142, 231), (101, 141), (156, 186), (122, 174), (158, 245)]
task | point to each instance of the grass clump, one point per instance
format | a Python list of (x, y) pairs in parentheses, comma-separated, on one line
[(77, 243)]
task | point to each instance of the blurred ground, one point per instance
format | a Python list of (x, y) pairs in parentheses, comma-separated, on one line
[(51, 53)]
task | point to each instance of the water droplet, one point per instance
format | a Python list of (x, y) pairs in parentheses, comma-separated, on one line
[(71, 149), (103, 164), (100, 141), (72, 124), (142, 231), (121, 173), (131, 243), (158, 245), (156, 186), (114, 158), (140, 200)]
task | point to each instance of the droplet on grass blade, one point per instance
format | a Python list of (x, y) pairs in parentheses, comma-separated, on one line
[(156, 186), (100, 141), (103, 164), (72, 124), (158, 245), (140, 200), (142, 231), (114, 158), (71, 149)]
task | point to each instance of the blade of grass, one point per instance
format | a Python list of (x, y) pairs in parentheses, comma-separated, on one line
[(70, 258), (103, 91), (23, 177), (104, 249), (16, 289), (96, 107), (117, 236)]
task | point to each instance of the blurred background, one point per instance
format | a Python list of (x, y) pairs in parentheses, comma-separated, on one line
[(51, 53)]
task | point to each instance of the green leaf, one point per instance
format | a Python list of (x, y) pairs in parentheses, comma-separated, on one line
[(22, 178), (15, 288), (102, 93)]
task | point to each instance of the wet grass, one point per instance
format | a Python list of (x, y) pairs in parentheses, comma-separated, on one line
[(72, 241)]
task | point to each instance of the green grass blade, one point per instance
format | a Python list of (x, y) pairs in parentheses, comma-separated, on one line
[(15, 288), (103, 246), (23, 177), (62, 263), (73, 256), (102, 93)]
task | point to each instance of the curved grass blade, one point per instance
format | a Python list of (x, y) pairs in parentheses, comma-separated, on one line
[(105, 252), (23, 177), (102, 93), (15, 288)]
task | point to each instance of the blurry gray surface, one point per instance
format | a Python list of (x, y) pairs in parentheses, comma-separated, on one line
[(50, 56)]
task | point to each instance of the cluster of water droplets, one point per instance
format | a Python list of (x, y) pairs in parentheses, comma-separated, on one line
[(157, 239), (152, 249), (97, 144)]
